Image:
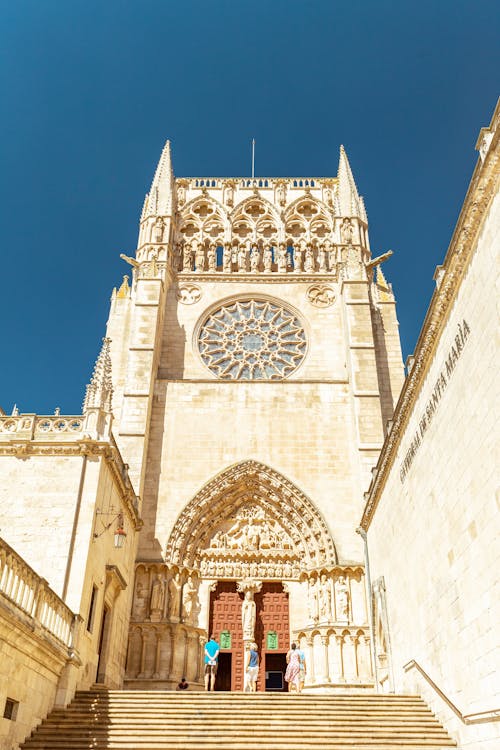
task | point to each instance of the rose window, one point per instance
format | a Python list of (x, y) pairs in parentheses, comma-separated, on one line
[(252, 340)]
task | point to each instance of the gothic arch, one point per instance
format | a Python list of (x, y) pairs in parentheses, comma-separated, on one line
[(251, 490)]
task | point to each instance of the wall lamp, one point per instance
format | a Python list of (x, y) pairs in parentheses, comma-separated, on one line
[(120, 533)]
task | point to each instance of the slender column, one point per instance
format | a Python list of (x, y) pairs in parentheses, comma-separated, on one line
[(325, 677), (201, 660), (144, 645), (340, 651), (310, 661), (156, 673)]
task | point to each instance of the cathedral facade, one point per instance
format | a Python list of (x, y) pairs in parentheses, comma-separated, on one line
[(255, 362)]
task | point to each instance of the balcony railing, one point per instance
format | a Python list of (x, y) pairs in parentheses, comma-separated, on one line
[(31, 594)]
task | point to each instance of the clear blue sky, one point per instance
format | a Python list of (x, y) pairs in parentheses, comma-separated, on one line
[(91, 90)]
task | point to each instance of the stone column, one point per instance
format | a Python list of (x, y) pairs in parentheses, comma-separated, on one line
[(310, 661), (340, 655), (325, 677), (156, 673)]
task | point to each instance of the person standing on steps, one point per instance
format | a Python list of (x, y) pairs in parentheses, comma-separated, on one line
[(292, 674), (211, 661), (251, 668), (303, 669)]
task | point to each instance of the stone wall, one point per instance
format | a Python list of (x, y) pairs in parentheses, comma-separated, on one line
[(434, 526)]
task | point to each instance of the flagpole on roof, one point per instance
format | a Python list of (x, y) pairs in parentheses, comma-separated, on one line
[(253, 158)]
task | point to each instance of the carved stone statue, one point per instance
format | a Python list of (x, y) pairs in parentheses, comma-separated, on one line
[(189, 600), (282, 257), (181, 195), (322, 259), (309, 263), (281, 195), (187, 257), (248, 614), (159, 227), (268, 260), (174, 600), (242, 258), (298, 255), (327, 196), (228, 195), (157, 595), (254, 259), (346, 232), (227, 261), (342, 599), (212, 258), (313, 601), (325, 599), (200, 257)]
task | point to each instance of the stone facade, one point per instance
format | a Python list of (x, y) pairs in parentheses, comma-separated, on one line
[(432, 508)]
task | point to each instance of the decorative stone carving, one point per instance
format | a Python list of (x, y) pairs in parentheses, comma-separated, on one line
[(189, 600), (325, 599), (282, 258), (227, 261), (254, 259), (159, 227), (199, 255), (281, 194), (346, 232), (242, 258), (312, 601), (188, 294), (157, 601), (309, 261), (174, 598), (342, 599), (268, 260), (229, 195), (187, 257), (320, 295), (212, 258)]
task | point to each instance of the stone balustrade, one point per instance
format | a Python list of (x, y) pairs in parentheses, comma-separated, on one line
[(30, 594), (29, 426), (298, 183)]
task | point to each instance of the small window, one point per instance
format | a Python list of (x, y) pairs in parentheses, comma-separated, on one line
[(91, 617), (10, 710)]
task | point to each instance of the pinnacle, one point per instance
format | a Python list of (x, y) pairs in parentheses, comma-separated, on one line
[(159, 201), (349, 200), (99, 391)]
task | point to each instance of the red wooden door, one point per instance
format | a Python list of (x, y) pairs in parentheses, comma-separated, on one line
[(225, 614), (271, 615)]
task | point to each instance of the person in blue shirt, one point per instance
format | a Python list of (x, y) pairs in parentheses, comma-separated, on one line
[(251, 668), (211, 661)]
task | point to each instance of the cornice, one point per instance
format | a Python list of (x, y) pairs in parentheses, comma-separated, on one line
[(482, 189)]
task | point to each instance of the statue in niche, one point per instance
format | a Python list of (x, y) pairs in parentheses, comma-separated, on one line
[(281, 195), (268, 260), (287, 570), (242, 258), (346, 232), (228, 195), (157, 601), (342, 599), (181, 195), (309, 262), (282, 257), (199, 256), (189, 600), (325, 599), (248, 614), (313, 600), (159, 227), (254, 259), (327, 196), (212, 258), (298, 254), (254, 569), (252, 536), (174, 597), (140, 598), (227, 261), (322, 259), (187, 257)]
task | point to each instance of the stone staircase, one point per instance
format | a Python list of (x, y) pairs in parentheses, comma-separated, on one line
[(147, 720)]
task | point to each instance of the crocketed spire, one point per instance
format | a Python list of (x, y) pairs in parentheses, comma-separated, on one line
[(349, 202), (99, 391), (159, 200)]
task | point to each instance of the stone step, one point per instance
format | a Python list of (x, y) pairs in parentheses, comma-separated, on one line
[(162, 720)]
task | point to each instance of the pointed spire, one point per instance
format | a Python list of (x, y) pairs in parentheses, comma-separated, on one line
[(384, 289), (99, 391), (124, 290), (349, 201), (159, 200)]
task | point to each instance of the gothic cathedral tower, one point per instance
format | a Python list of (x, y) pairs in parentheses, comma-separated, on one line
[(256, 361)]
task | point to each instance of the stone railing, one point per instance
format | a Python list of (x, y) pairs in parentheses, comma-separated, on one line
[(29, 426), (28, 592), (298, 183)]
